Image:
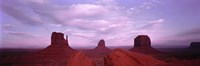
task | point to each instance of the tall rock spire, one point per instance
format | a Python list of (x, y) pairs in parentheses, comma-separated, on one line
[(67, 40)]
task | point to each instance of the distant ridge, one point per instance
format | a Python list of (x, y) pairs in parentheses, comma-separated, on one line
[(195, 45)]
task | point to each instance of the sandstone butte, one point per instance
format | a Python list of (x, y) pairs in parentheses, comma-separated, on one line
[(101, 46), (56, 54), (59, 53), (142, 44), (103, 56)]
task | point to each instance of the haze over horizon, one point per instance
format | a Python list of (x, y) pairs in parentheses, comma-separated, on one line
[(29, 23)]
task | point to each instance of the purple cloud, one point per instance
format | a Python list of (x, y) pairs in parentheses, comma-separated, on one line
[(195, 31), (88, 21), (18, 13), (20, 34)]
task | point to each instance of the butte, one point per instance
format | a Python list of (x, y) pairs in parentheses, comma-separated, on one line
[(56, 54), (142, 44)]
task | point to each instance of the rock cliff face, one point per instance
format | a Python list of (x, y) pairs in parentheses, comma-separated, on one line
[(195, 45), (58, 39), (101, 43), (56, 54), (58, 45), (58, 42), (142, 44), (142, 41)]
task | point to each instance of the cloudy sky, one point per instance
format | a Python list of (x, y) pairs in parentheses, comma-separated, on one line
[(29, 23)]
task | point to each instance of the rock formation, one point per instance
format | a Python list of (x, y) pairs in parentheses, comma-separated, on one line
[(56, 54), (195, 45), (58, 39), (92, 57), (80, 59), (58, 42), (101, 43), (98, 52), (101, 46), (142, 44), (142, 41), (120, 57)]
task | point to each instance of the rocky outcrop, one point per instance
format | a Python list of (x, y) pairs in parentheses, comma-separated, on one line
[(59, 53), (101, 43), (98, 52), (101, 46), (195, 45), (142, 41), (58, 39), (80, 59), (56, 54), (142, 44), (59, 43), (120, 57)]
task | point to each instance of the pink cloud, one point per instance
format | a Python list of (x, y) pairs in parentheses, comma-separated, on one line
[(87, 10), (23, 39), (87, 23)]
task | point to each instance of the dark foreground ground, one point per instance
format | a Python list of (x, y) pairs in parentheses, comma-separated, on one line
[(173, 56), (15, 52)]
